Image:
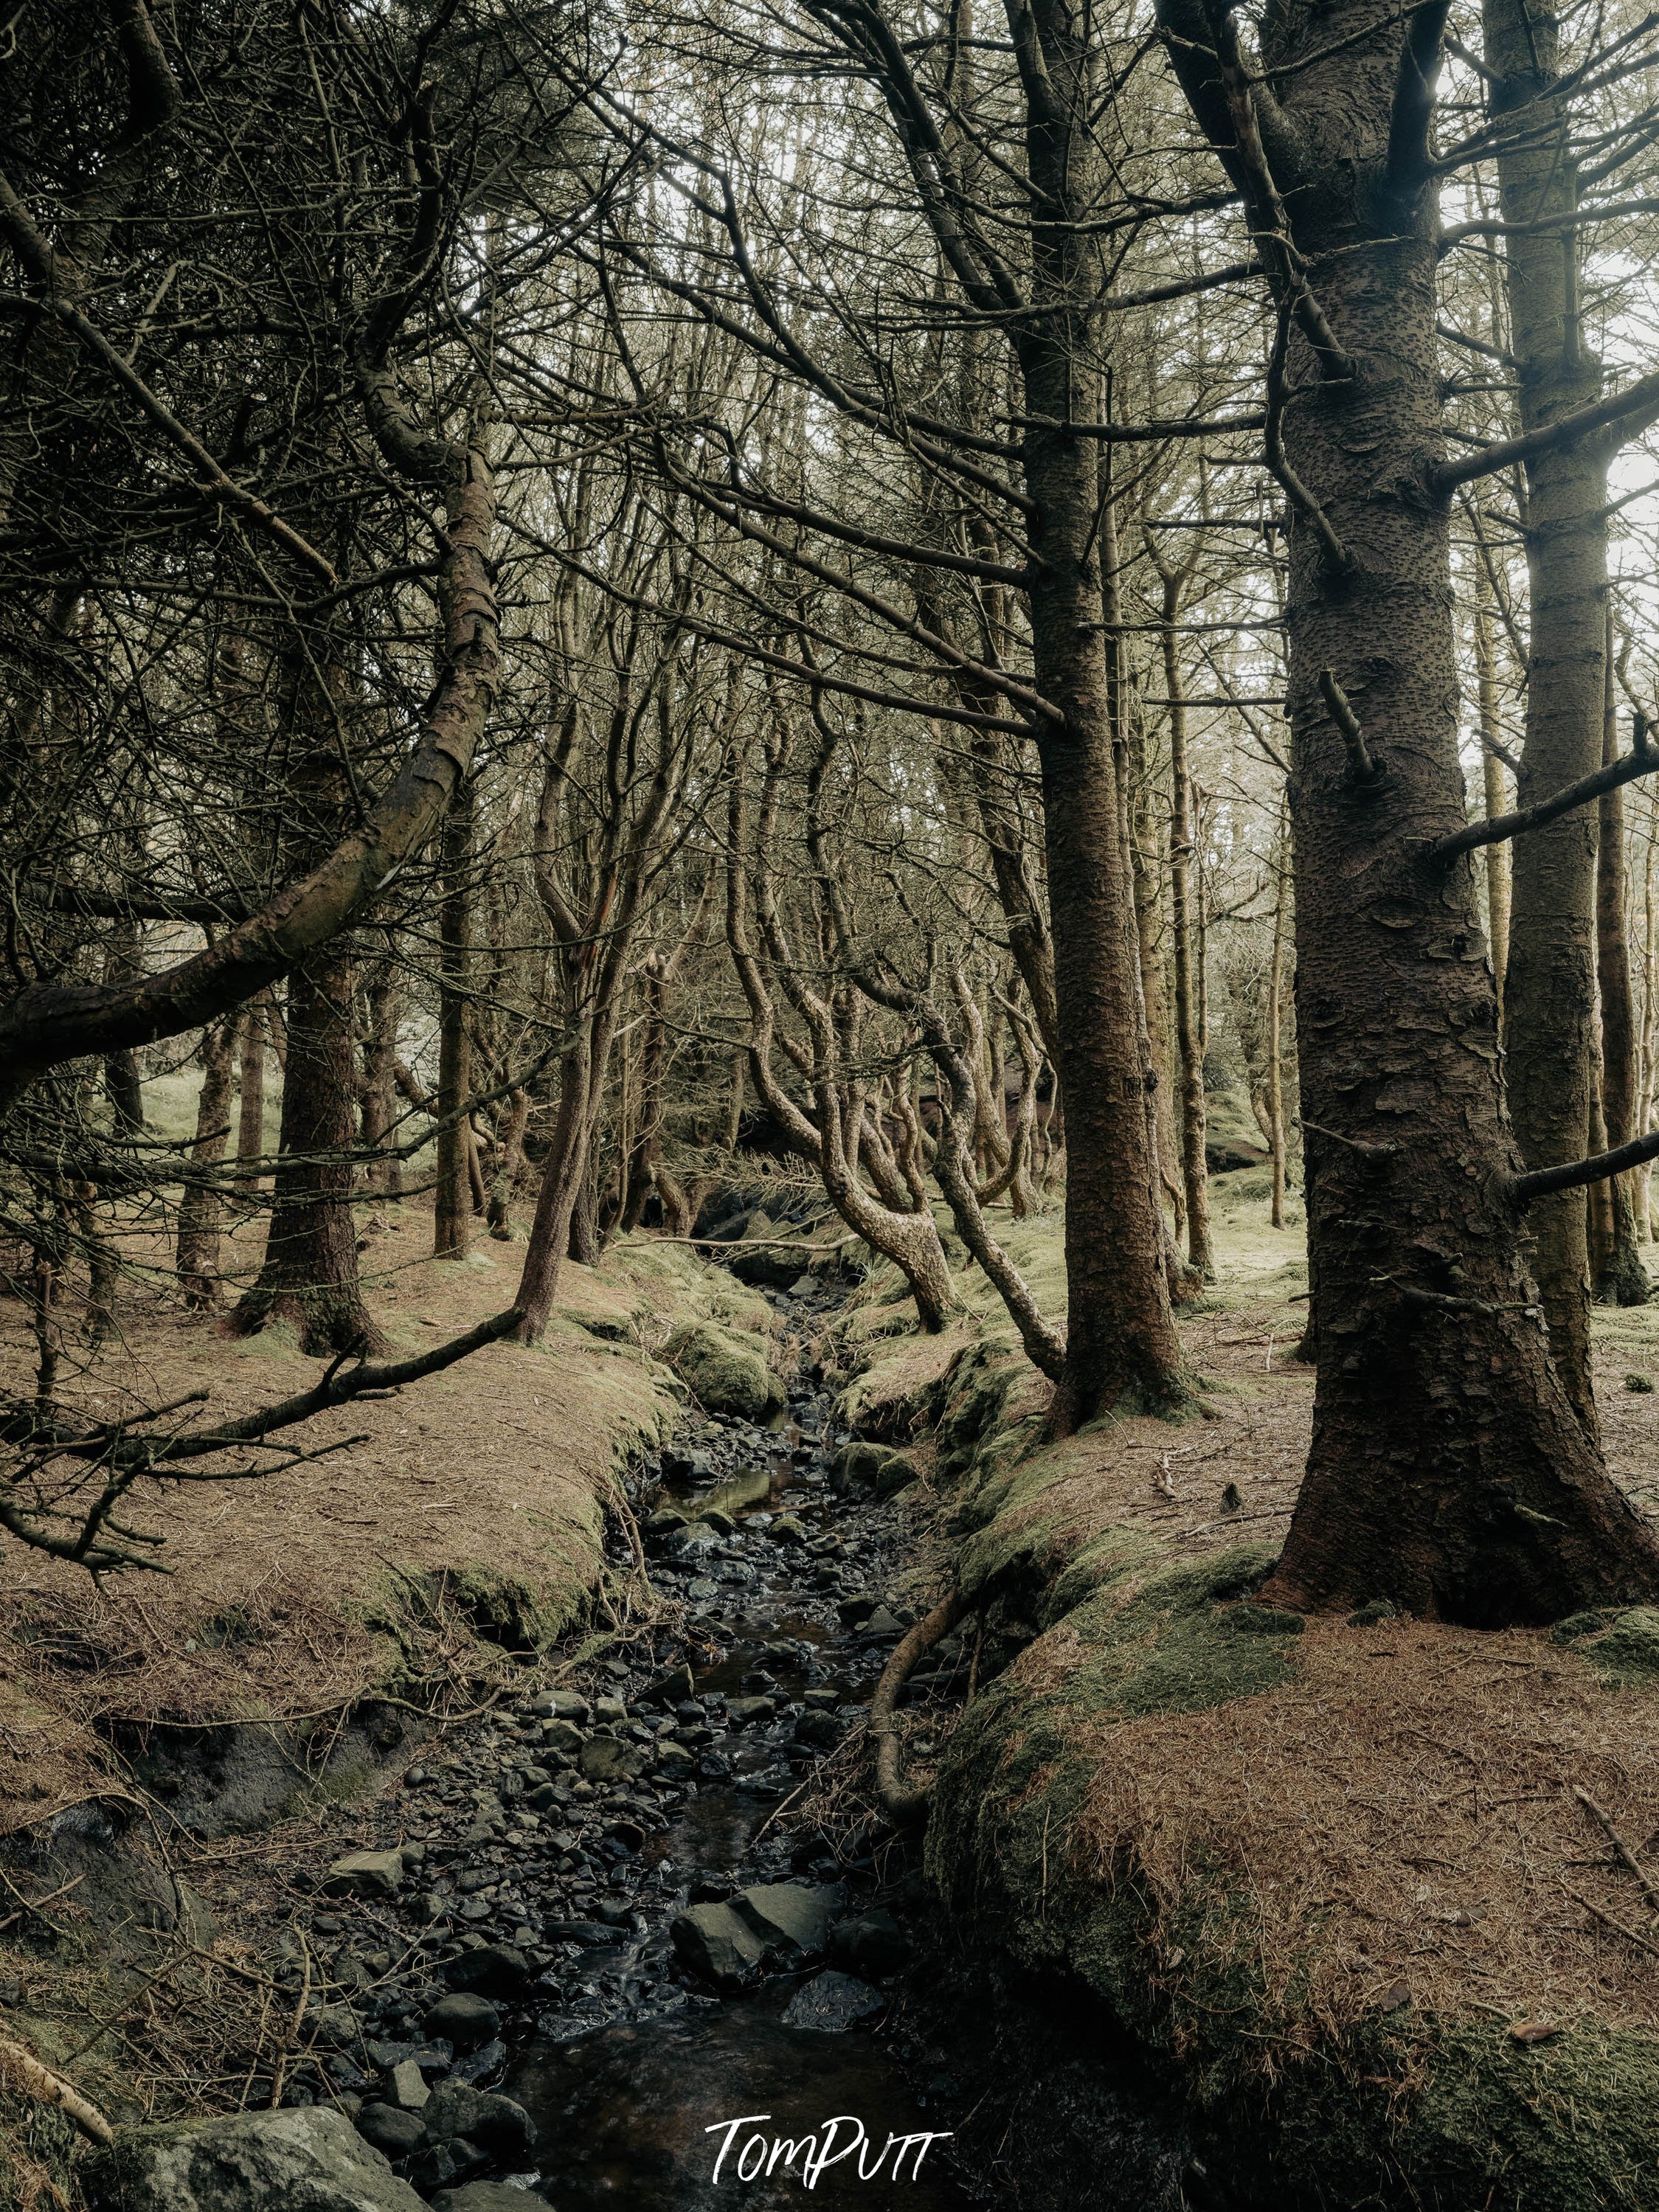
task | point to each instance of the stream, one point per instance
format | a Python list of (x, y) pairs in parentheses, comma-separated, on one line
[(582, 1854)]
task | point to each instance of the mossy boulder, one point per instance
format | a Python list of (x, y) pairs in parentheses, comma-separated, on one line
[(726, 1376), (1628, 1650)]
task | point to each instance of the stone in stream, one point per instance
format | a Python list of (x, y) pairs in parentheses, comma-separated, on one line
[(489, 2197), (743, 1711), (873, 1943), (406, 2086), (787, 1916), (495, 1971), (563, 1737), (496, 2125), (306, 2156), (790, 1528), (673, 1688), (882, 1627), (608, 1758), (365, 1874), (830, 2003), (463, 2019), (715, 1942), (393, 2132), (559, 1705)]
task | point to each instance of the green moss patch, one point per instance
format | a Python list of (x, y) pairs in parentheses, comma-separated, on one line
[(725, 1375)]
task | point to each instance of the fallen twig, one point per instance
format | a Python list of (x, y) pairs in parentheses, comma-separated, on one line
[(49, 2089), (1626, 1857)]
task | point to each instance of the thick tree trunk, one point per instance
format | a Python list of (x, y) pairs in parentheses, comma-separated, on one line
[(1617, 1275), (1550, 983), (451, 1204), (1448, 1470), (1121, 1332), (310, 1270), (199, 1212)]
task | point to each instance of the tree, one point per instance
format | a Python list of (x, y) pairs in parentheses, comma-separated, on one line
[(1449, 1469)]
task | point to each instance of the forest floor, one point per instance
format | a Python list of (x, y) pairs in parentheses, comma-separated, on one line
[(470, 1506), (468, 1524)]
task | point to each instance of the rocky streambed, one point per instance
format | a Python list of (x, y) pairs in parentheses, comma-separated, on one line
[(611, 1919)]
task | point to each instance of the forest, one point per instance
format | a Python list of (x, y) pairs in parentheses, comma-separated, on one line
[(829, 1035)]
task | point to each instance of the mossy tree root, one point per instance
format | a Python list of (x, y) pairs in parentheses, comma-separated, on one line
[(907, 1807)]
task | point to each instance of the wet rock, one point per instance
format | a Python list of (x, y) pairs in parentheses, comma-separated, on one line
[(716, 1943), (873, 1943), (438, 2164), (559, 1705), (789, 1528), (787, 1916), (406, 2086), (853, 1612), (830, 2003), (478, 2065), (393, 2132), (306, 2156), (882, 1627), (495, 1971), (676, 1688), (496, 2124), (608, 1758), (365, 1874), (745, 1710), (488, 2197), (563, 1737), (857, 1466), (463, 2020), (822, 1731), (590, 1934)]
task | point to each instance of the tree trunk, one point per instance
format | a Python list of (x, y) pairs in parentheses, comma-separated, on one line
[(379, 1112), (1449, 1471), (1121, 1332), (1195, 1171), (310, 1270), (1550, 981), (1274, 1041), (251, 1117), (1497, 802), (197, 1259), (1619, 1277), (452, 1203)]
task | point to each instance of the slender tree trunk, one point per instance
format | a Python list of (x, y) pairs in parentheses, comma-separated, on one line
[(452, 1205), (379, 1112), (499, 1214), (199, 1212), (1619, 1278), (1121, 1332), (1550, 981), (251, 1117), (1275, 1042), (1448, 1470), (1496, 801), (1195, 1171)]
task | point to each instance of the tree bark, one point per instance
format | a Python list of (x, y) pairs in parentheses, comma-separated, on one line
[(1550, 980), (1194, 1169), (251, 1115), (1497, 802), (1618, 1276), (451, 1204), (1121, 1332), (378, 1114), (1448, 1470), (200, 1211)]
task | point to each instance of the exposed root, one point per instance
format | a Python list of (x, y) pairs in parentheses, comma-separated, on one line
[(907, 1807)]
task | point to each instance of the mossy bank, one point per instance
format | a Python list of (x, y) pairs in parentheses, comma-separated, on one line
[(1347, 1889)]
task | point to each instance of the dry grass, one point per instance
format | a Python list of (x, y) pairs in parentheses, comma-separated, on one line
[(1399, 1822)]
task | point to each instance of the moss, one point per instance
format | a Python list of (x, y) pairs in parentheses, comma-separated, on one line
[(727, 1377), (1627, 1652)]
